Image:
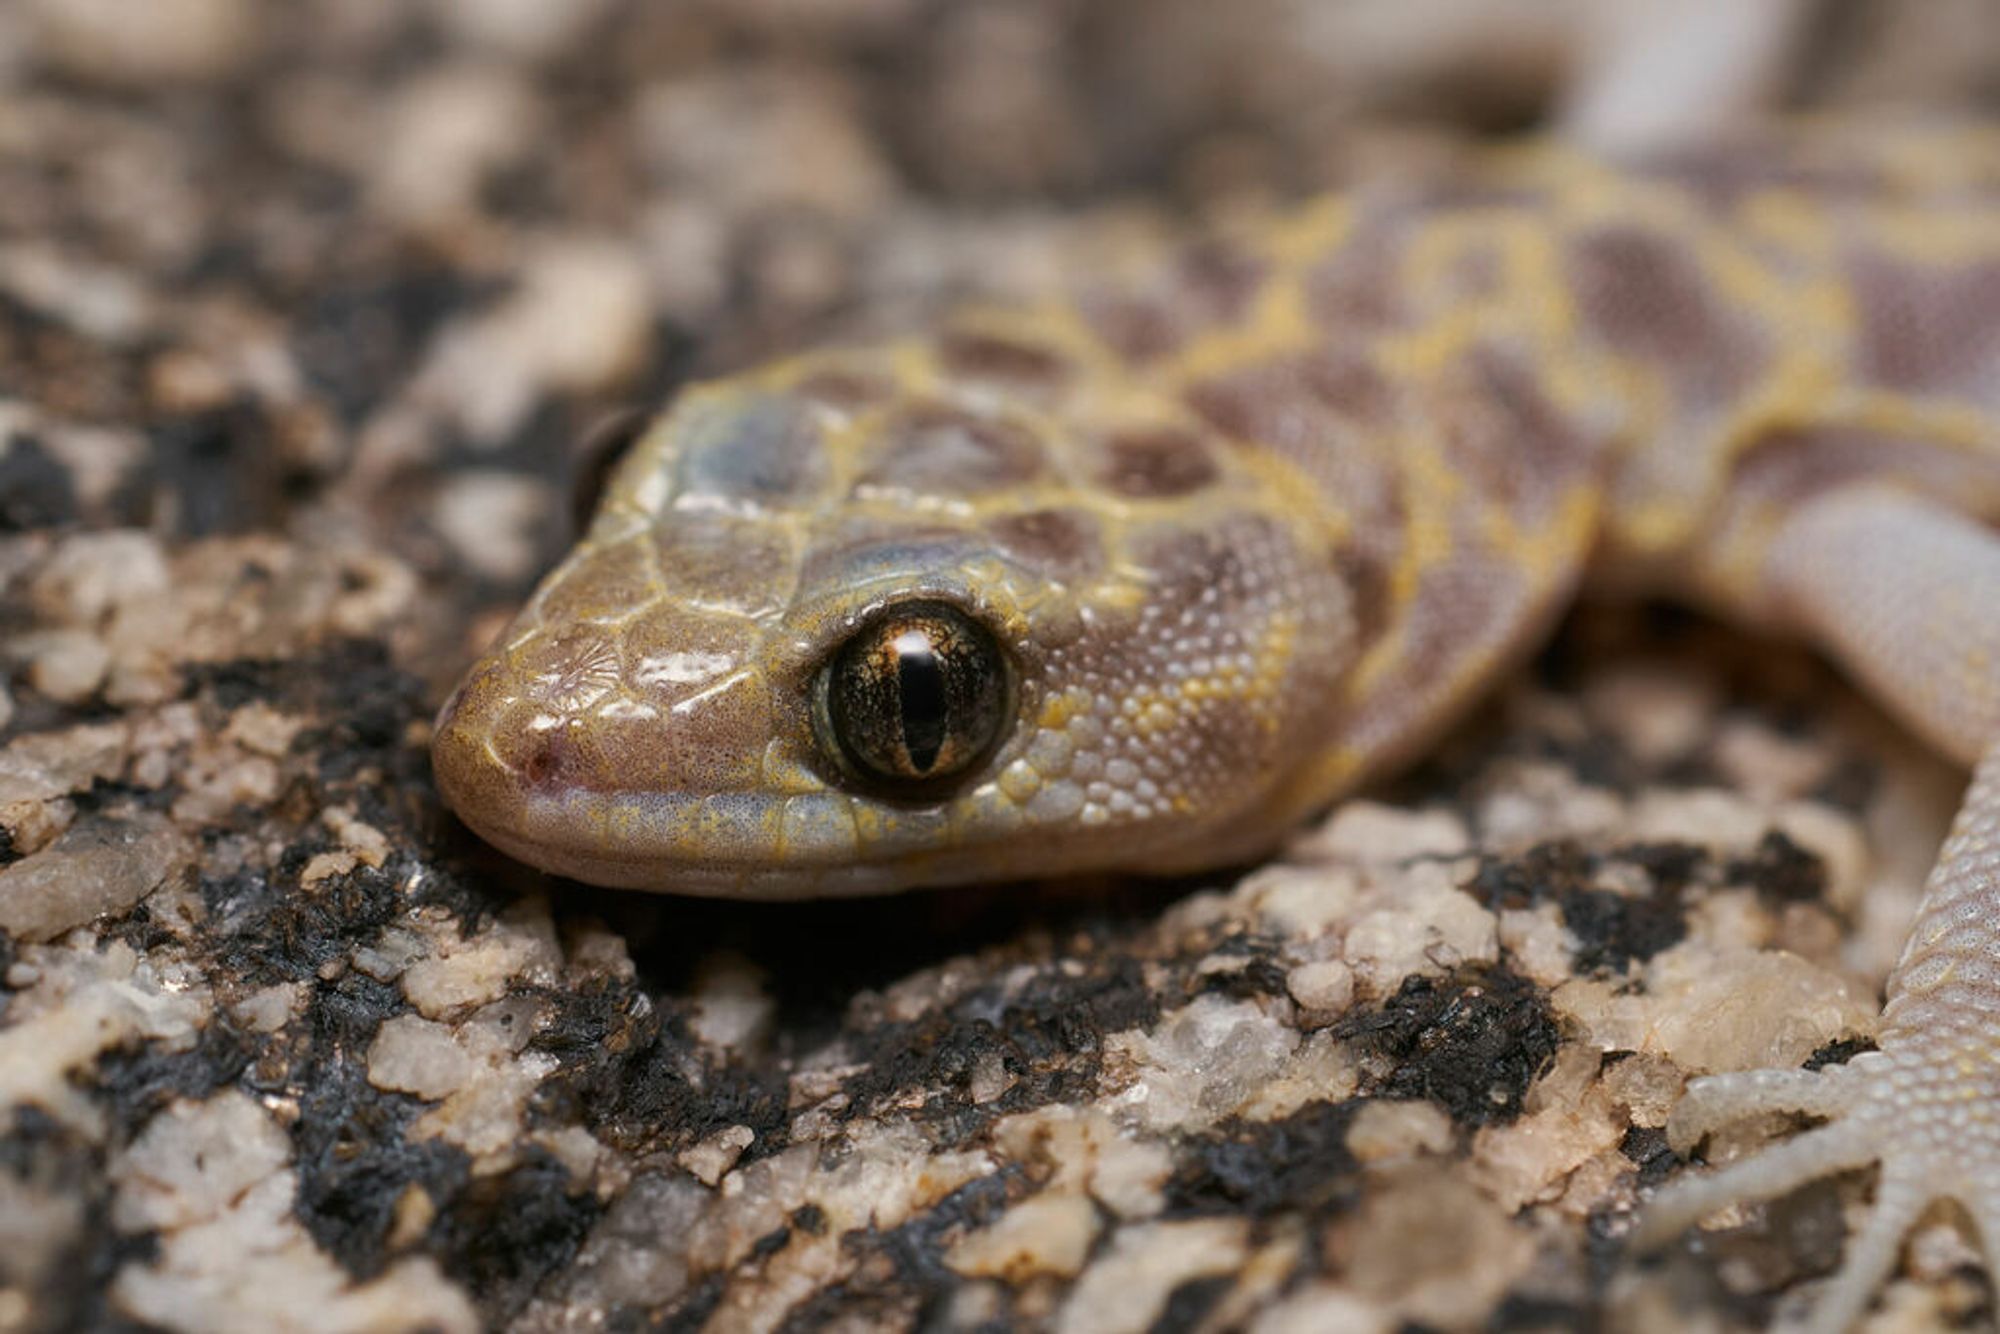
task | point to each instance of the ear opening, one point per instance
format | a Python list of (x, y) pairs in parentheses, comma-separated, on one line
[(600, 450)]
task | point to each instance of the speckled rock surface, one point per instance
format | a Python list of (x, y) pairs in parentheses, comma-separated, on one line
[(301, 310)]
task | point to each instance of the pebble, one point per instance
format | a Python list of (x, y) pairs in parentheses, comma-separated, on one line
[(100, 866), (1049, 1233), (113, 42)]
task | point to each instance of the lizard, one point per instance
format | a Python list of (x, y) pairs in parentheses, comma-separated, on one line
[(1138, 576)]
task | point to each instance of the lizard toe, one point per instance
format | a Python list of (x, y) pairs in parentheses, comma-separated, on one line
[(1927, 1115)]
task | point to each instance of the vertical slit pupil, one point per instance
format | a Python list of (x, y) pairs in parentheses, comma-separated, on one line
[(925, 709)]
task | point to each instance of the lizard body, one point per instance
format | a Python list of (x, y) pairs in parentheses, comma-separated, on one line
[(1140, 577)]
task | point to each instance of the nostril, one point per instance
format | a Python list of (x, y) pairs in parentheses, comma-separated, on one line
[(547, 761)]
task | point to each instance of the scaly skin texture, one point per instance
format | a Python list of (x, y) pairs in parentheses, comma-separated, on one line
[(1253, 529)]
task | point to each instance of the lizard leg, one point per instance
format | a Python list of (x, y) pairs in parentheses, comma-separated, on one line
[(1904, 593)]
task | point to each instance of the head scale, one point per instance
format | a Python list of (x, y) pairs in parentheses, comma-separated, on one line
[(908, 618)]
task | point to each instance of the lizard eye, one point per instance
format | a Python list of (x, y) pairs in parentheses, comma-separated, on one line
[(915, 698)]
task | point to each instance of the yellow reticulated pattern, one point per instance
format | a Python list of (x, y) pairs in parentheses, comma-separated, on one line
[(1245, 532)]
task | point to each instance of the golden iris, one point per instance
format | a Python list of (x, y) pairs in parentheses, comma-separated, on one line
[(915, 698)]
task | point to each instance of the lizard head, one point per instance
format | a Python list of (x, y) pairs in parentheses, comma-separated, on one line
[(831, 633)]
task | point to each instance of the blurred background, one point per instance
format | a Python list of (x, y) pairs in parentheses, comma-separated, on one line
[(365, 272)]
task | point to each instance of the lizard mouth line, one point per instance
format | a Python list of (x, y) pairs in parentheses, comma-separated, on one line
[(722, 844)]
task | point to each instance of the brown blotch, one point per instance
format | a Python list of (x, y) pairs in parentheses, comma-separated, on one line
[(1219, 282), (1210, 285), (1724, 172), (1354, 290), (1139, 327), (1461, 609), (847, 389), (1233, 561), (1642, 293), (1059, 543), (937, 449), (1365, 574), (1272, 403), (1932, 329), (1326, 414), (1233, 404), (1503, 434), (1349, 384), (1155, 462), (1274, 406), (1646, 297), (982, 356)]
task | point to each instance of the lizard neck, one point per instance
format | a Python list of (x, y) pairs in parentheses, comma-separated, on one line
[(1416, 360), (1410, 364)]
